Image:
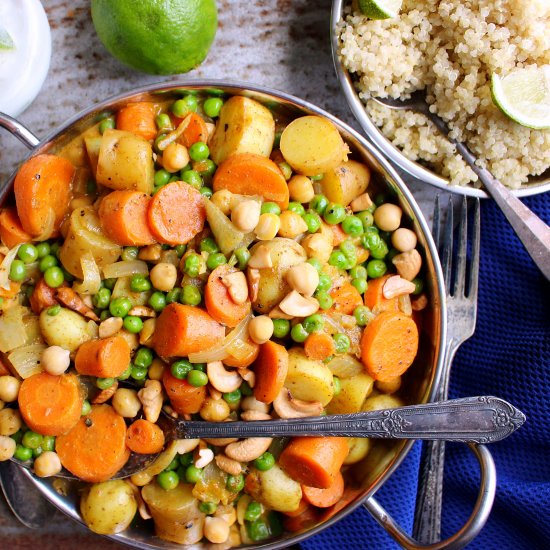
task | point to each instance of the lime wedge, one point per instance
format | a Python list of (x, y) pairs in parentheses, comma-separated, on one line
[(380, 9), (6, 41), (524, 96)]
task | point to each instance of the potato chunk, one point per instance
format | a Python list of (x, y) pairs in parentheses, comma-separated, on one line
[(345, 182)]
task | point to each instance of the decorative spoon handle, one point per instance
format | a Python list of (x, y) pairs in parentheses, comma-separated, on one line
[(473, 419)]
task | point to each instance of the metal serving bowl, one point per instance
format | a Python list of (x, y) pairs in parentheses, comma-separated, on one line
[(536, 185), (422, 379)]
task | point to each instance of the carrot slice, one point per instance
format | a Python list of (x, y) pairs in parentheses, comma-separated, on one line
[(338, 235), (15, 287), (144, 437), (184, 398), (218, 301), (43, 188), (374, 297), (176, 213), (319, 345), (11, 230), (42, 296), (323, 498), (50, 405), (346, 298), (247, 360), (251, 174), (181, 330), (271, 369), (104, 358), (138, 118), (124, 218), (196, 130), (389, 345), (95, 449), (314, 461)]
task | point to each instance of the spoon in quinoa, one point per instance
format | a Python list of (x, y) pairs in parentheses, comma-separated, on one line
[(532, 231)]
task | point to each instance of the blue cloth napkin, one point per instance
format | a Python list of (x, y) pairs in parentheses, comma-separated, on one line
[(508, 356)]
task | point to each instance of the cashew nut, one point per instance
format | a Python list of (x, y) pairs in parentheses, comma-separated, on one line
[(205, 457), (228, 465), (397, 286), (254, 415), (248, 449), (223, 380), (408, 264), (151, 399), (104, 395), (303, 278), (317, 246), (261, 258), (298, 306), (142, 311), (288, 407), (110, 327), (253, 283), (250, 403), (276, 313), (249, 376), (236, 286), (362, 202)]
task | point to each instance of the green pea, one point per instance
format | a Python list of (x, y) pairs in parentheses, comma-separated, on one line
[(37, 452), (162, 177), (157, 301), (199, 151), (193, 474), (319, 204), (106, 124), (338, 259), (86, 408), (313, 222), (209, 245), (27, 253), (192, 177), (109, 283), (208, 508), (418, 285), (205, 192), (286, 169), (325, 282), (55, 248), (17, 436), (336, 385), (366, 217), (212, 106), (53, 276), (281, 328), (379, 252), (138, 373), (180, 369), (334, 213), (276, 527), (46, 262), (91, 187), (376, 268), (22, 453), (360, 285), (102, 298), (18, 271), (317, 177), (235, 484), (206, 168), (143, 357), (104, 383), (298, 333), (370, 240), (52, 311), (119, 307), (316, 264), (173, 296), (126, 373), (174, 465), (341, 342), (186, 459), (163, 122), (215, 260), (358, 272), (379, 199), (197, 378), (265, 462), (104, 315), (313, 323), (353, 226), (31, 440), (258, 530), (297, 208), (325, 300), (232, 398), (191, 295), (48, 443), (42, 249), (129, 253), (253, 511), (191, 265), (348, 248), (243, 255), (168, 480), (187, 104), (245, 389), (132, 324)]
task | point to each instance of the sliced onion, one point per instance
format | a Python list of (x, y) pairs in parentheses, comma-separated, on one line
[(240, 349), (26, 360), (125, 269), (174, 134), (5, 267), (345, 366), (240, 332), (404, 302), (12, 328), (92, 278)]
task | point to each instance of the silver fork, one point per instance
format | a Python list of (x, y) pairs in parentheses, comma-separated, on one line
[(461, 321)]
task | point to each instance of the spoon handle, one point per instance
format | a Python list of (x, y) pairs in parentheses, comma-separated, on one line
[(472, 419), (532, 231)]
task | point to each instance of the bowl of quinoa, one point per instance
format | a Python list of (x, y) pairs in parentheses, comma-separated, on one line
[(450, 48)]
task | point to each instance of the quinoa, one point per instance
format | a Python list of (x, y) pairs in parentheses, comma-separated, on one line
[(451, 48)]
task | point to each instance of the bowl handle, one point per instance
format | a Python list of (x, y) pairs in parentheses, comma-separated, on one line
[(469, 530), (21, 132)]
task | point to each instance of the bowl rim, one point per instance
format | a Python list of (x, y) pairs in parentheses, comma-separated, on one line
[(388, 149), (234, 87)]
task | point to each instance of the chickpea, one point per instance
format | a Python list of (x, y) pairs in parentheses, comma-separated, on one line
[(303, 278), (260, 329), (246, 215), (163, 276), (175, 157), (403, 239), (292, 224), (388, 217), (300, 189), (216, 530), (318, 246), (267, 227), (222, 199), (214, 410), (9, 388), (55, 360), (126, 402), (7, 447), (10, 421), (156, 370), (47, 464)]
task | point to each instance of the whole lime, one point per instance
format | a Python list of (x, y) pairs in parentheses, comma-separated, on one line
[(157, 36)]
